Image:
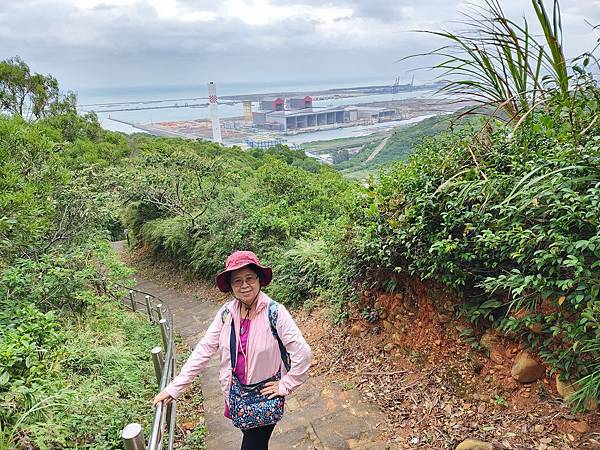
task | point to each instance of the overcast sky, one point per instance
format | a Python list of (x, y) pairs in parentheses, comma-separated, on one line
[(121, 43)]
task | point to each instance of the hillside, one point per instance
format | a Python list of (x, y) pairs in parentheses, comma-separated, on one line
[(458, 290), (350, 156), (337, 247), (73, 363)]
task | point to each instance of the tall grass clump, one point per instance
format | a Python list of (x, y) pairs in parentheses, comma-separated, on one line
[(503, 65)]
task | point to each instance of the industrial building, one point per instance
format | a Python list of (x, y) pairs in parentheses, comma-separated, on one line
[(300, 102), (300, 113), (272, 104), (370, 113)]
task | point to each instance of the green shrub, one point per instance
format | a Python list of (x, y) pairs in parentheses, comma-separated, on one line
[(265, 203), (299, 272), (27, 337), (93, 380), (74, 368), (514, 226)]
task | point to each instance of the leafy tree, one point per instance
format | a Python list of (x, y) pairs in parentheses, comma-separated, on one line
[(182, 184), (30, 95)]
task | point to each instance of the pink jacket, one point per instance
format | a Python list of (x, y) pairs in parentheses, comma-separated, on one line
[(264, 358)]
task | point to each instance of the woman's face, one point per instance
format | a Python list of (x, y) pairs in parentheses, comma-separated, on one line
[(245, 285)]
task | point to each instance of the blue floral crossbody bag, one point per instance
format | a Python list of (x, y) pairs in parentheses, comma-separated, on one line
[(248, 408)]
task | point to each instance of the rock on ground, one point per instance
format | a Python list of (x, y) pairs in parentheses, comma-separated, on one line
[(526, 369), (473, 444)]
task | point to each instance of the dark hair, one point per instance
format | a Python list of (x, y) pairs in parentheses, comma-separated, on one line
[(254, 268)]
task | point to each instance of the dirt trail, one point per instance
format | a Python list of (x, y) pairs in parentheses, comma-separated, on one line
[(378, 148), (410, 362), (319, 415)]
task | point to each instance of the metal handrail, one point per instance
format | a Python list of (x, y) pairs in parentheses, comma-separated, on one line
[(164, 418)]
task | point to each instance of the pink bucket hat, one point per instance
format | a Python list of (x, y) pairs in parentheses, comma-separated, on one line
[(237, 260)]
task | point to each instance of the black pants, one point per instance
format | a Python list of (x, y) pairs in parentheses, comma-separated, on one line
[(257, 438)]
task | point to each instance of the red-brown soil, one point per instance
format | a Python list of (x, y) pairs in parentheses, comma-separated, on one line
[(434, 386)]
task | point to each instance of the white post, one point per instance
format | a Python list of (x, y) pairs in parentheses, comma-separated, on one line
[(133, 438), (214, 113), (157, 360), (164, 332)]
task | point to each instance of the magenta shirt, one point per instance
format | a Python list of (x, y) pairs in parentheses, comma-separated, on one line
[(240, 366)]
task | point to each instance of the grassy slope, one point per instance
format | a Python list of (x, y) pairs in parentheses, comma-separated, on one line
[(333, 145), (400, 145), (403, 141)]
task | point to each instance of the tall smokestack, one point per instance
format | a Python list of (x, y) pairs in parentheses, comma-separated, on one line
[(214, 113)]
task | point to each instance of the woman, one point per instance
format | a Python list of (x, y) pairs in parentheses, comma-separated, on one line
[(249, 329)]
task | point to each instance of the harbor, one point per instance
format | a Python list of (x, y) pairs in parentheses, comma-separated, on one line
[(317, 120), (186, 113)]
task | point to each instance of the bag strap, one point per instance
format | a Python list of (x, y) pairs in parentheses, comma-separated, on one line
[(232, 342), (273, 316), (232, 347)]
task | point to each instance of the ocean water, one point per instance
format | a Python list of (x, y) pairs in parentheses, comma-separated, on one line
[(101, 100), (141, 93)]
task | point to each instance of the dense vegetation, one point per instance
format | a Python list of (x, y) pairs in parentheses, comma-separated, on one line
[(224, 199), (503, 211), (74, 366), (509, 219)]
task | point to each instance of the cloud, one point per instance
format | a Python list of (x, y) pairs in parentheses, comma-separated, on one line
[(145, 42)]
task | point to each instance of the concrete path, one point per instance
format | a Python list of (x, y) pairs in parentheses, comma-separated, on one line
[(318, 416), (378, 148)]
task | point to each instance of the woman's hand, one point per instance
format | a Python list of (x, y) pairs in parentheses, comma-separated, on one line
[(271, 389), (162, 397)]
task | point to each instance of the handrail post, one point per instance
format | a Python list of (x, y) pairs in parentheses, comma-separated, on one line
[(159, 311), (132, 298), (164, 417), (174, 363), (172, 411), (157, 359), (156, 435), (171, 418), (133, 437), (163, 331), (149, 307)]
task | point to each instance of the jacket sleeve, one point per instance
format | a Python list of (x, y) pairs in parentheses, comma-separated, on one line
[(204, 350), (300, 353)]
